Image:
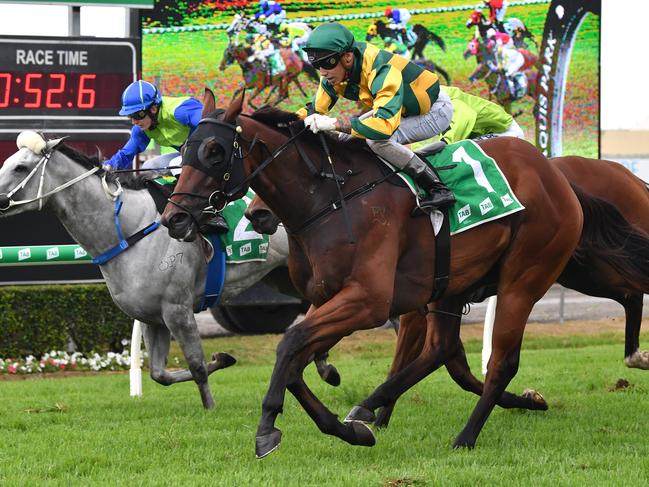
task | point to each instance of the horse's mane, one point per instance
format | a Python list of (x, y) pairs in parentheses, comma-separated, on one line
[(279, 119), (130, 181)]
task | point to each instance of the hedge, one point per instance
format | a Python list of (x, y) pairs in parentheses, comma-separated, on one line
[(40, 318)]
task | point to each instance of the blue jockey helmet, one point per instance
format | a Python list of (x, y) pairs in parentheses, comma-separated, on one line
[(139, 95)]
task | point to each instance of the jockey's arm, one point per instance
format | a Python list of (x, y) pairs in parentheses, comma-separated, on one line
[(123, 158), (387, 90), (323, 101)]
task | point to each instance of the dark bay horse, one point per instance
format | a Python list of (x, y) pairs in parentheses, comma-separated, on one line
[(424, 36), (387, 269)]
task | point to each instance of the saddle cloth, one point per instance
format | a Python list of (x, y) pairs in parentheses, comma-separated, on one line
[(481, 189)]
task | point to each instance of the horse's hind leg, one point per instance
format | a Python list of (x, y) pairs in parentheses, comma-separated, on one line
[(410, 341), (157, 339), (410, 345), (633, 357)]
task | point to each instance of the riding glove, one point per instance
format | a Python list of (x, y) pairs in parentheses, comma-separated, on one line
[(320, 123)]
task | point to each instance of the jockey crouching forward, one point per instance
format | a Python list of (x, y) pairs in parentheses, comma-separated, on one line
[(166, 120), (405, 101)]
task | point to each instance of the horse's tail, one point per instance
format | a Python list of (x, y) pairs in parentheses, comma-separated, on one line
[(608, 237)]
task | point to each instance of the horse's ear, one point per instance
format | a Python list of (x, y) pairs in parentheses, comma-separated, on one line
[(236, 105), (52, 144), (209, 103)]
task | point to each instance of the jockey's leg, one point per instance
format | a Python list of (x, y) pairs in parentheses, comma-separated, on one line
[(414, 129), (514, 130), (162, 162)]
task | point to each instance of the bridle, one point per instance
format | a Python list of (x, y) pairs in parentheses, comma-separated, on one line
[(220, 197), (6, 200)]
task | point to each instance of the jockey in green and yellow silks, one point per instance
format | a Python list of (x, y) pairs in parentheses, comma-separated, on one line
[(404, 99)]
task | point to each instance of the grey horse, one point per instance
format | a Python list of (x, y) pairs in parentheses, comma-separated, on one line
[(158, 281)]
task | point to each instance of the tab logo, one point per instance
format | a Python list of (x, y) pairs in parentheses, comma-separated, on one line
[(263, 248), (507, 200), (463, 213), (52, 253), (228, 250), (79, 253), (24, 254), (486, 206), (245, 249)]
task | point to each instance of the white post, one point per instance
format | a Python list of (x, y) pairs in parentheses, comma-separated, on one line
[(488, 331), (136, 357)]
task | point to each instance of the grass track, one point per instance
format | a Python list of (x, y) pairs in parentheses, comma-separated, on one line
[(590, 435)]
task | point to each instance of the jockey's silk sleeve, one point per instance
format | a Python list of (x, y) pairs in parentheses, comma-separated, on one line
[(189, 113), (123, 159), (323, 101), (386, 88)]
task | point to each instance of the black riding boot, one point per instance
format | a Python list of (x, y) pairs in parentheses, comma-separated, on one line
[(439, 196), (214, 223)]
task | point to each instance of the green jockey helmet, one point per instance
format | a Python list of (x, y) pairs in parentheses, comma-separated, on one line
[(326, 41)]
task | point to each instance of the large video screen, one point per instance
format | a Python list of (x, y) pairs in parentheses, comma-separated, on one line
[(224, 44)]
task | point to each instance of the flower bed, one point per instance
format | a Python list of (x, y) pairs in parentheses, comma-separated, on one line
[(57, 361)]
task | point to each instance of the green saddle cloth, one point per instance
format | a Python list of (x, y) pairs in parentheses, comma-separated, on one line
[(480, 188), (241, 243)]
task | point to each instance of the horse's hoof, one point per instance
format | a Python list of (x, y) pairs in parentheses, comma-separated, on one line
[(360, 414), (363, 435), (638, 360), (331, 376), (461, 442), (224, 360), (266, 444), (537, 398), (383, 417)]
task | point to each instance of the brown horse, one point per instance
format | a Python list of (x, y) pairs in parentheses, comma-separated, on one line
[(621, 274), (586, 272), (387, 269)]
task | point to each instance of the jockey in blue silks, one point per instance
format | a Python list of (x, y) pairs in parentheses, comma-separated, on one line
[(271, 13), (166, 120)]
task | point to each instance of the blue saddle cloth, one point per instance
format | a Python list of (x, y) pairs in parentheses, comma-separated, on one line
[(215, 275)]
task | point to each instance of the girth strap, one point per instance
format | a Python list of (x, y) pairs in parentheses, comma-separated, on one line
[(442, 258)]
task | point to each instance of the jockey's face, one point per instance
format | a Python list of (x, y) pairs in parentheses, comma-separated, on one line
[(338, 73), (146, 122)]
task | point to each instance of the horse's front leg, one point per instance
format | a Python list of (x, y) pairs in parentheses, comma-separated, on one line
[(353, 308), (441, 343), (181, 322)]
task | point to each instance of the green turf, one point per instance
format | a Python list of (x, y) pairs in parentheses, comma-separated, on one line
[(86, 430)]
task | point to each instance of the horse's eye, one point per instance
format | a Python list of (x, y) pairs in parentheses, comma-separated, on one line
[(21, 168)]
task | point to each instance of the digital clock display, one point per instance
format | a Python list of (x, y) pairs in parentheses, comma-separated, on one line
[(62, 91), (69, 78)]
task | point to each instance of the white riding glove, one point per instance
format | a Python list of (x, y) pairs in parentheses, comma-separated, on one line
[(107, 167), (320, 123)]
